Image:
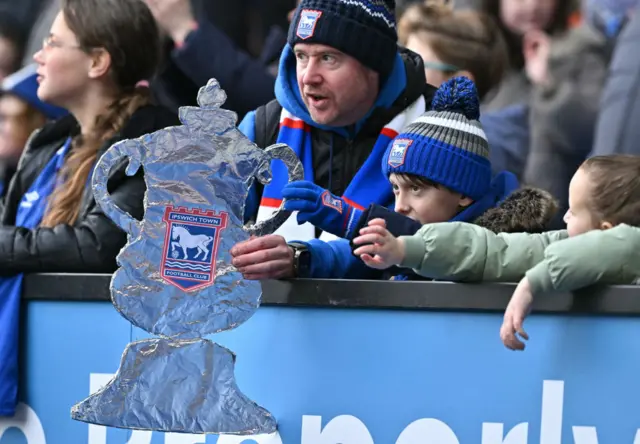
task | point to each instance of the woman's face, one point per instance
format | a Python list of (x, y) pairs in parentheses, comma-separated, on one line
[(521, 16), (434, 68), (63, 66)]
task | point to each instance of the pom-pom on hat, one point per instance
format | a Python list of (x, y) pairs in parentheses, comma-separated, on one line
[(363, 29), (447, 144)]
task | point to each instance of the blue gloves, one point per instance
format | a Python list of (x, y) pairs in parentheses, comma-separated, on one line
[(321, 208)]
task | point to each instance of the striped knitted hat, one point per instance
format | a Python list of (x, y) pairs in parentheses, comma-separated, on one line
[(363, 29), (447, 144)]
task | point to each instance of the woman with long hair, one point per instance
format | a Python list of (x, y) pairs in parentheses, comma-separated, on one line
[(96, 54)]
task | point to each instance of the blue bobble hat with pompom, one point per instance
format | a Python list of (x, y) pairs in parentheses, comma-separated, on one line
[(447, 144)]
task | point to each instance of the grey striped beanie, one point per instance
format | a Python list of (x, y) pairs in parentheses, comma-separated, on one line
[(447, 144)]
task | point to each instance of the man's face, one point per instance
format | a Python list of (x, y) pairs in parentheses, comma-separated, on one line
[(336, 88)]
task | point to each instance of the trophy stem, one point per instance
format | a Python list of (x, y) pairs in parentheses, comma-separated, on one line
[(184, 386)]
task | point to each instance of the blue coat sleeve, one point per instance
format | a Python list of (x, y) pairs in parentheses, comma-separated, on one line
[(208, 52), (333, 260), (248, 126)]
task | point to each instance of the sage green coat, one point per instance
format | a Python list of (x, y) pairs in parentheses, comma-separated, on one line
[(552, 261)]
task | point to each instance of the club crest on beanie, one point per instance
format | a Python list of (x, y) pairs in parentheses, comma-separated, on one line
[(363, 29), (447, 144)]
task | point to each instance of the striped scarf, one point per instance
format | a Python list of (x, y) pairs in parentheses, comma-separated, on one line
[(369, 185)]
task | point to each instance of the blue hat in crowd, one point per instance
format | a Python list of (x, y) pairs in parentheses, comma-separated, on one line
[(447, 144), (24, 84), (363, 29)]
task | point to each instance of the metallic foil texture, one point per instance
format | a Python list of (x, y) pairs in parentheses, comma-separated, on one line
[(175, 278)]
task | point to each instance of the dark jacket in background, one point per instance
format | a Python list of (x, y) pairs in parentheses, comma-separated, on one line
[(216, 50), (25, 12), (618, 124), (92, 243), (208, 52)]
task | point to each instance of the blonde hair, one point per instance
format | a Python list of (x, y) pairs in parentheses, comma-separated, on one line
[(615, 188), (467, 39)]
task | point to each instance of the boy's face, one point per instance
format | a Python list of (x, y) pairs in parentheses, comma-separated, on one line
[(578, 218), (425, 203)]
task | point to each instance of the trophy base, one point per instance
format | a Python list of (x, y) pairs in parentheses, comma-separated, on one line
[(179, 386)]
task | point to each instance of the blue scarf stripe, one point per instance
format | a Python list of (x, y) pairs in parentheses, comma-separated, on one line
[(368, 186)]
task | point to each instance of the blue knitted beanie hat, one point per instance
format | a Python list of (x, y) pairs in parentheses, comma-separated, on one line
[(446, 144), (363, 29)]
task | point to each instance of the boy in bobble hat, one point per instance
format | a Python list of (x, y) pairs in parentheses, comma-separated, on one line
[(439, 170)]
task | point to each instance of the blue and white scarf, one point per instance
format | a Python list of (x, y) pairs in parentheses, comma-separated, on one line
[(29, 215), (368, 186)]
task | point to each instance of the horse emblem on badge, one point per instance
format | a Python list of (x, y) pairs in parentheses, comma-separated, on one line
[(307, 23), (399, 152), (175, 279), (191, 246)]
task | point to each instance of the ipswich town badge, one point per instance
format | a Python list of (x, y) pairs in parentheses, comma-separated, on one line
[(191, 246), (307, 23), (399, 152), (332, 202)]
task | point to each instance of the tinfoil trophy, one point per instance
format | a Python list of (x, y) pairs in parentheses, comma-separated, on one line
[(175, 278)]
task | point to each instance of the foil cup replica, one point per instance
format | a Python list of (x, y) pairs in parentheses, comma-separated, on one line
[(175, 278)]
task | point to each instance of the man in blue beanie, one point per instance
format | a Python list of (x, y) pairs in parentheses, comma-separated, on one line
[(344, 91)]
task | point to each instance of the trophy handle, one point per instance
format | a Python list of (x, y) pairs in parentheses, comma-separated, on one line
[(132, 149), (284, 153)]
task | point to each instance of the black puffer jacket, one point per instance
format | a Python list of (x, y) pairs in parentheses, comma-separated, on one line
[(348, 154), (92, 243)]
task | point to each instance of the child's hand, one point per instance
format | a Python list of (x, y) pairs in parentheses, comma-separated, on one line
[(517, 310), (383, 249)]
